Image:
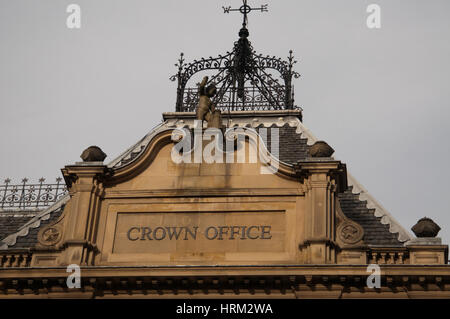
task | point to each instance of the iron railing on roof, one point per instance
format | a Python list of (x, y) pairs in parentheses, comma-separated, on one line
[(30, 196), (253, 99)]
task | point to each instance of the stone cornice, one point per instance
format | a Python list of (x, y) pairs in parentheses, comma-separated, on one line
[(230, 270), (269, 281)]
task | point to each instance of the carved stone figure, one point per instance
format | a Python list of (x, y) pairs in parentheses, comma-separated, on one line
[(206, 109)]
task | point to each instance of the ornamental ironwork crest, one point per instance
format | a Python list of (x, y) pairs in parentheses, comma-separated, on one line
[(245, 80)]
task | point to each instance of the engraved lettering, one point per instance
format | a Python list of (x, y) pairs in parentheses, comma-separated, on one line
[(234, 231), (129, 233), (211, 233), (265, 230), (146, 232), (162, 233), (249, 230), (172, 232), (215, 232), (193, 234), (221, 231)]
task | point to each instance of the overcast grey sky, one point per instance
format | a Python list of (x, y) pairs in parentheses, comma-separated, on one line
[(380, 97)]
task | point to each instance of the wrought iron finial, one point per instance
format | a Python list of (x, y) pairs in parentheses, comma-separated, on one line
[(244, 79), (179, 65)]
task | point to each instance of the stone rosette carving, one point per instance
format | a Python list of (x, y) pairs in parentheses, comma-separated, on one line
[(321, 149), (50, 236), (350, 233)]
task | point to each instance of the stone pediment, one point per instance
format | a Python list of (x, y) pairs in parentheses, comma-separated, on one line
[(157, 211), (257, 207), (157, 170)]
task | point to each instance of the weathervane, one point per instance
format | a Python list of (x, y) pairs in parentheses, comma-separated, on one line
[(245, 9)]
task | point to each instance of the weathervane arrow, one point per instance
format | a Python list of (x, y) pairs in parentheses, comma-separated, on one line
[(245, 9)]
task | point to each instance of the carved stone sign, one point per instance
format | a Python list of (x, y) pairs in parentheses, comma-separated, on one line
[(190, 233), (205, 232)]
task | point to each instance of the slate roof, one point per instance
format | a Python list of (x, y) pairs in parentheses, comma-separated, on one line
[(375, 233), (380, 229), (30, 240), (292, 146), (19, 229), (10, 221)]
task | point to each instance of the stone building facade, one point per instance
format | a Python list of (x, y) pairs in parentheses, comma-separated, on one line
[(143, 226), (272, 215)]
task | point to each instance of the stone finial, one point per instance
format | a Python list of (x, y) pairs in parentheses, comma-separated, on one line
[(426, 227), (93, 154), (321, 149)]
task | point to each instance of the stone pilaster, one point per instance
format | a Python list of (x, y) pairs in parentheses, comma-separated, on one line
[(322, 178), (85, 186)]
